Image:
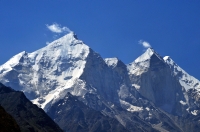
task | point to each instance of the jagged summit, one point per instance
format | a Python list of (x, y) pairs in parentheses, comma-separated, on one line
[(150, 58), (70, 38), (67, 46), (147, 55)]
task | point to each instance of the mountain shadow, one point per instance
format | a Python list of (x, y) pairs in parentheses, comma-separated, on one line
[(7, 122), (73, 115), (28, 116)]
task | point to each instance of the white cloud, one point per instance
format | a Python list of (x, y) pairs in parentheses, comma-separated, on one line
[(145, 44), (56, 28)]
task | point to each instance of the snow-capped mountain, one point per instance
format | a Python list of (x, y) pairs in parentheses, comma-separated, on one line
[(147, 93), (163, 82), (45, 73)]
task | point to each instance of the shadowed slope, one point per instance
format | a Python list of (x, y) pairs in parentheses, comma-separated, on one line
[(7, 122), (28, 116)]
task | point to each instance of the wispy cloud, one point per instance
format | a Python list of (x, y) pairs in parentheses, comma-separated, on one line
[(145, 44), (57, 28)]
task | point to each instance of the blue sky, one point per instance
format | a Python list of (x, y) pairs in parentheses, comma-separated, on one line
[(113, 29)]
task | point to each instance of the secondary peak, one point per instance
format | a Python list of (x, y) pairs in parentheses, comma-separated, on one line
[(147, 55)]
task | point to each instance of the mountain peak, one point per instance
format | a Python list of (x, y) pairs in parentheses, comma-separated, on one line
[(66, 47), (72, 34), (147, 55), (70, 38), (150, 49)]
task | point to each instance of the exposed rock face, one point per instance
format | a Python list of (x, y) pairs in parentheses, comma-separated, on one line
[(156, 81), (27, 115), (161, 81), (73, 115), (152, 93), (170, 88)]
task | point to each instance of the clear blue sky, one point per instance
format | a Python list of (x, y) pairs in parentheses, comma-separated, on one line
[(112, 29)]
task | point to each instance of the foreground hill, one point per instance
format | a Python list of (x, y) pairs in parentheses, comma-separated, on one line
[(28, 116), (7, 122)]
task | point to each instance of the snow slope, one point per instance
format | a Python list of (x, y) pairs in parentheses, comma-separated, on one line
[(43, 75), (186, 80)]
